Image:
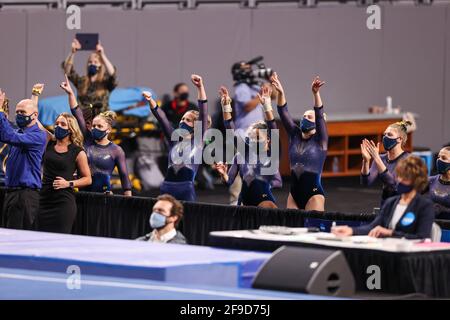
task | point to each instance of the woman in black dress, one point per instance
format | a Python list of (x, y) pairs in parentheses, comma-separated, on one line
[(63, 157)]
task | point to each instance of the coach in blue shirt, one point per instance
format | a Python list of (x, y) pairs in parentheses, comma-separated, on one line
[(23, 167)]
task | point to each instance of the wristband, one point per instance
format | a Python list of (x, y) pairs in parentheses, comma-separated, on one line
[(71, 184), (267, 106), (36, 92), (226, 105)]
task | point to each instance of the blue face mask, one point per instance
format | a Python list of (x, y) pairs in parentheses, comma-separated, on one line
[(442, 167), (98, 134), (389, 143), (185, 126), (92, 70), (157, 220), (404, 188), (23, 120), (306, 125), (61, 133)]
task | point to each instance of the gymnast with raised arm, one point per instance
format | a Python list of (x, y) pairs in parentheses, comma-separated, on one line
[(183, 167), (103, 154), (308, 147), (256, 185)]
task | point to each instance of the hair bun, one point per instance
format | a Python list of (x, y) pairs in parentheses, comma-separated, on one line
[(404, 125)]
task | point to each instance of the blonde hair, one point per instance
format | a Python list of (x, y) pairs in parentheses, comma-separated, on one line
[(402, 129), (413, 168), (100, 76), (76, 137), (197, 116), (109, 117)]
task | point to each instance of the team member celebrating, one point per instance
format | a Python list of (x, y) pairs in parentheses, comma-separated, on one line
[(256, 186), (63, 157), (100, 79), (103, 154), (307, 150), (383, 166), (23, 166), (179, 180), (408, 215), (439, 186)]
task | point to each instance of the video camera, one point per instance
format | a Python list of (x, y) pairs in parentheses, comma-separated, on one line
[(250, 72)]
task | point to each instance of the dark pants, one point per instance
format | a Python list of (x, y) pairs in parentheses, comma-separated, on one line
[(20, 208)]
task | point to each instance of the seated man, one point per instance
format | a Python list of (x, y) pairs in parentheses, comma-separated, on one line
[(166, 214)]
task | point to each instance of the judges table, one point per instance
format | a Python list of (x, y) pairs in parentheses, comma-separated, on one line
[(405, 266)]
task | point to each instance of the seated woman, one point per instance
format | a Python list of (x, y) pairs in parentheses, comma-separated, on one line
[(439, 185), (256, 186), (383, 165), (408, 215), (184, 155), (103, 154), (100, 79)]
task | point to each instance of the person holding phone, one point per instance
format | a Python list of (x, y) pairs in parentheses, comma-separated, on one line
[(95, 87)]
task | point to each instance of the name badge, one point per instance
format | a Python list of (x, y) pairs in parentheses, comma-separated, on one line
[(408, 219)]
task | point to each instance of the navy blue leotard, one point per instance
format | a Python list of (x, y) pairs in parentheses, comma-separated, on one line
[(306, 156)]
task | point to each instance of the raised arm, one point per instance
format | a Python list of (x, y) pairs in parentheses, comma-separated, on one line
[(109, 66), (160, 116), (68, 63), (202, 101), (121, 164), (76, 111), (321, 126), (35, 93), (282, 107)]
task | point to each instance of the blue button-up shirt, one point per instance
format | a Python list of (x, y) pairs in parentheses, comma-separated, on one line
[(23, 167)]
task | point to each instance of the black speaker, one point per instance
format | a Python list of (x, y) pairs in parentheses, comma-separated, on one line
[(313, 271)]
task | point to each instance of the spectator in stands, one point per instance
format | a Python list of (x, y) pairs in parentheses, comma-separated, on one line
[(100, 79), (383, 165), (439, 186), (177, 107), (409, 214), (23, 166), (104, 155), (166, 215)]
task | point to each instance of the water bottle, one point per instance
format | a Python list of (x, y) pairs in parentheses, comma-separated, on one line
[(335, 164)]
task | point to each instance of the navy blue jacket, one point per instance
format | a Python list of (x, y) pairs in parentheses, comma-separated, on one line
[(415, 223)]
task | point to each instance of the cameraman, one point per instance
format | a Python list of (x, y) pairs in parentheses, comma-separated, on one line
[(247, 108)]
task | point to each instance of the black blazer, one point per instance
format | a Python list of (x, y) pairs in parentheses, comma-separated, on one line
[(415, 223)]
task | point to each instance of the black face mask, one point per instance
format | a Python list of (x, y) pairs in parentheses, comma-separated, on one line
[(183, 96)]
